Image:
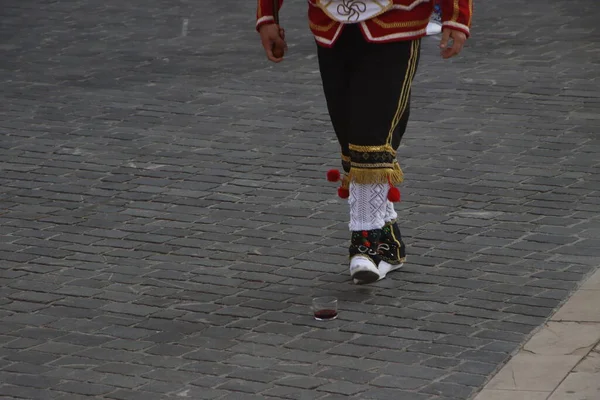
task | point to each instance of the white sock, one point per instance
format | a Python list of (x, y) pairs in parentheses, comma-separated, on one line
[(367, 206)]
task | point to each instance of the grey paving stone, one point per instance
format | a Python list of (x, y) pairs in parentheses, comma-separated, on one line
[(348, 375), (484, 356), (436, 349), (341, 387), (207, 368), (82, 339), (89, 389), (412, 371), (244, 386), (441, 362), (243, 396), (399, 383), (466, 379), (29, 381), (302, 382), (31, 357), (389, 394), (352, 350), (24, 392), (297, 368), (127, 394), (449, 390), (124, 369), (24, 368)]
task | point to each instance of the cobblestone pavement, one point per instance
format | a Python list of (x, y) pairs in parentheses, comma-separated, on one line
[(165, 218)]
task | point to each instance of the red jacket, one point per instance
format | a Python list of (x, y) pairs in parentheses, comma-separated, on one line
[(407, 20)]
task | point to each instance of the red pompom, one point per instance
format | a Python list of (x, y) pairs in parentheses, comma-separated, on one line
[(394, 195), (333, 175), (343, 192)]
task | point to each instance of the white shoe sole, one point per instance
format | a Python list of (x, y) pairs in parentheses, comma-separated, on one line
[(363, 270), (385, 268)]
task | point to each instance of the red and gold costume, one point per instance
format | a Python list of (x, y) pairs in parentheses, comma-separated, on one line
[(403, 20)]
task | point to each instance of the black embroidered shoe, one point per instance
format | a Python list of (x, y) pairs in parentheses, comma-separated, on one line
[(364, 257), (391, 249)]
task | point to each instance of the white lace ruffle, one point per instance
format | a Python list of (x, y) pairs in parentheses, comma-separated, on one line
[(390, 213)]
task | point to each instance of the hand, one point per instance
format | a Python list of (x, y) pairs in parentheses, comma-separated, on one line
[(272, 36), (458, 41)]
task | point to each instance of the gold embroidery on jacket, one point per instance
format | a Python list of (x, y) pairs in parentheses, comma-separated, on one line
[(456, 11), (407, 24), (470, 12), (322, 28)]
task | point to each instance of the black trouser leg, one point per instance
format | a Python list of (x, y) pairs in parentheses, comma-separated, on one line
[(367, 87)]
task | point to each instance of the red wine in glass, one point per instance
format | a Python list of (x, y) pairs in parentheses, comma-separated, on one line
[(325, 315)]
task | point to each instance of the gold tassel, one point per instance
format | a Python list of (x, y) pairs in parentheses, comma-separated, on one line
[(376, 175), (345, 182)]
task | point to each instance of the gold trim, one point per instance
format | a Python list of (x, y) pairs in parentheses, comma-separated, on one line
[(345, 182), (470, 13), (372, 149), (405, 91), (401, 104), (456, 10), (408, 24), (398, 244), (322, 28), (372, 165), (392, 164), (346, 158), (377, 175)]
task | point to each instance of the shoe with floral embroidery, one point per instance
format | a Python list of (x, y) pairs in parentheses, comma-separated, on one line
[(364, 257)]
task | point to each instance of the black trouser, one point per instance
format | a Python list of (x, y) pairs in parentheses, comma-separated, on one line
[(367, 87)]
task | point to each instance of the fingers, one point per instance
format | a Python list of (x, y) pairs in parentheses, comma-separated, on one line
[(271, 57), (269, 51), (278, 50), (268, 45), (282, 36), (458, 42), (457, 47), (279, 42), (445, 39), (452, 51), (272, 39), (283, 42)]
